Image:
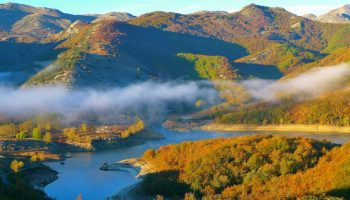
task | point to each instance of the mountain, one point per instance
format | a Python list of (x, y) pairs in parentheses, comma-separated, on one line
[(28, 24), (310, 16), (339, 15), (118, 48), (290, 41), (109, 53), (254, 27), (210, 12), (118, 16)]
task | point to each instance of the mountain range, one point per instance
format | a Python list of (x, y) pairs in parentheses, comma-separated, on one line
[(46, 46)]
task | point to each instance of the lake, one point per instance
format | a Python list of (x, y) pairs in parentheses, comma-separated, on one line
[(81, 175)]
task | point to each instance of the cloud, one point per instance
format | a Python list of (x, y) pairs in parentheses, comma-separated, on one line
[(305, 86), (72, 104)]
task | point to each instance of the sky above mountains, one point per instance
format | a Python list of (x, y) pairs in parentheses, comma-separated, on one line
[(138, 7)]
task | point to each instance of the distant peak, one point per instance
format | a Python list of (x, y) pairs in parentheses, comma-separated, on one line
[(310, 16), (11, 5), (344, 8), (203, 12), (252, 5)]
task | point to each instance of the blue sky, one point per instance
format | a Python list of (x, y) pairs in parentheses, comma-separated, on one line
[(138, 7)]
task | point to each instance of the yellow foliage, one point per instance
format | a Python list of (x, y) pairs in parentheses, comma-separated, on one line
[(136, 127), (16, 165)]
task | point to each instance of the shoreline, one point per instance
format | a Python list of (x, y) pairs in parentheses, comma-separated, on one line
[(134, 166), (282, 128), (137, 168)]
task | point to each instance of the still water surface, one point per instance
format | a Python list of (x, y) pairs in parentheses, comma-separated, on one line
[(81, 175)]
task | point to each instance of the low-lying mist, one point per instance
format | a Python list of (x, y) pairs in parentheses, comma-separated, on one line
[(305, 86), (153, 100), (140, 97)]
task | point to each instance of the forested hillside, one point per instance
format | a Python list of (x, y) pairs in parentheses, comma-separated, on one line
[(246, 167), (330, 109)]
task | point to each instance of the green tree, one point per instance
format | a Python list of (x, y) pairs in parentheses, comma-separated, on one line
[(22, 135), (36, 133)]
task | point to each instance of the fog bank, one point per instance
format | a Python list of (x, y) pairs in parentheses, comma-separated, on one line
[(305, 86), (142, 96)]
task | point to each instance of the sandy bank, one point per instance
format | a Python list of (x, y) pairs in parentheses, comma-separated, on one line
[(293, 127)]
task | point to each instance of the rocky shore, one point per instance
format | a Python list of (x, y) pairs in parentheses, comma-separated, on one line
[(135, 166)]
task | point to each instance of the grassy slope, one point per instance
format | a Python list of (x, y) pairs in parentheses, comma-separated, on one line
[(286, 57), (211, 67)]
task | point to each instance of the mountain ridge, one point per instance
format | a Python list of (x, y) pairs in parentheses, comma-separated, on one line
[(246, 35)]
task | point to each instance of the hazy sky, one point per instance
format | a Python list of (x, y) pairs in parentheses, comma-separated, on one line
[(138, 7)]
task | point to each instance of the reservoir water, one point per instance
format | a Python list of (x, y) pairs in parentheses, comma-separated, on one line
[(80, 175)]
